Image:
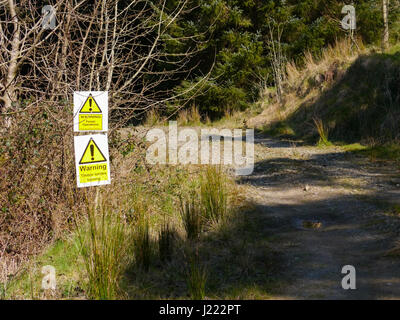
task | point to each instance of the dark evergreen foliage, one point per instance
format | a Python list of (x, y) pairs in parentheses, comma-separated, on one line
[(232, 37)]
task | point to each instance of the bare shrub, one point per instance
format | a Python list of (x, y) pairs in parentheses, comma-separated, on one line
[(96, 45), (37, 189)]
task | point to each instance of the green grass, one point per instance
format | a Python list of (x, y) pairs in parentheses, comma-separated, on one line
[(226, 260), (166, 238), (279, 129), (354, 147), (324, 143), (222, 268), (191, 215), (196, 276), (64, 255), (105, 248), (389, 151), (213, 193), (143, 245), (385, 152), (323, 133), (394, 49)]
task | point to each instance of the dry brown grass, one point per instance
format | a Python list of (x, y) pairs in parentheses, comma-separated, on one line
[(344, 51), (305, 81), (37, 185), (189, 116), (39, 200), (153, 118)]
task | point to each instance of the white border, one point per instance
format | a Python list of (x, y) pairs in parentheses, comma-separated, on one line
[(101, 98), (80, 144)]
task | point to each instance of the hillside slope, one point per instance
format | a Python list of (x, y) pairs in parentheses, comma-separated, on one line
[(355, 93)]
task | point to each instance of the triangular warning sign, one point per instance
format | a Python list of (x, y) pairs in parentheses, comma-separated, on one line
[(92, 154), (90, 106)]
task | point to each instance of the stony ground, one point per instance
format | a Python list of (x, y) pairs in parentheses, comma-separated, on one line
[(322, 209)]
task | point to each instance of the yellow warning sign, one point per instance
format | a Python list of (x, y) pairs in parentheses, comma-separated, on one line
[(92, 154), (90, 115), (90, 106), (90, 168)]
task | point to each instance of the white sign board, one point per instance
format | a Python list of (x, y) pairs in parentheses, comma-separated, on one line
[(90, 111), (92, 160)]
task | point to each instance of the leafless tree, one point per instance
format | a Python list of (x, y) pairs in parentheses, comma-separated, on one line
[(18, 40), (276, 55), (112, 45), (385, 35)]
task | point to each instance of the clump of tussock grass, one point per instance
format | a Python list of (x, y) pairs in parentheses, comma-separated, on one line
[(166, 239), (153, 118), (293, 73), (104, 246), (214, 195), (143, 245), (323, 132), (191, 215), (189, 116), (196, 276)]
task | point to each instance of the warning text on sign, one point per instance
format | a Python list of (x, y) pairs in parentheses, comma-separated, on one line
[(93, 173), (90, 122)]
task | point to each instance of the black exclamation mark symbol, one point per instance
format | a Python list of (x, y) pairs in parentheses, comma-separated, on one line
[(92, 151), (90, 105)]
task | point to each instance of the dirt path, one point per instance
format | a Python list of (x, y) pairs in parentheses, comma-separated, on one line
[(324, 208)]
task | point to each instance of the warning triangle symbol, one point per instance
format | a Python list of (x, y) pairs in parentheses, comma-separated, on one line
[(92, 154), (90, 106)]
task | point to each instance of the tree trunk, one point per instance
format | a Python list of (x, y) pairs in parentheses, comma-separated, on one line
[(9, 95), (385, 36)]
